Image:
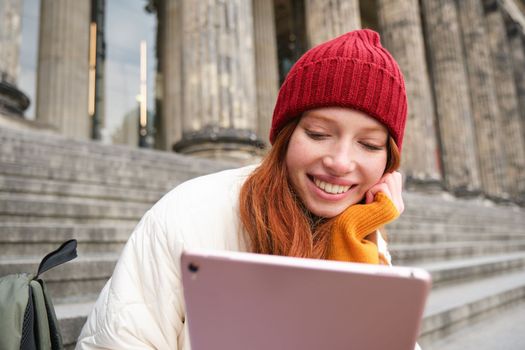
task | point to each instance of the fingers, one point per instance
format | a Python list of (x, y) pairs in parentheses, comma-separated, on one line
[(394, 182), (369, 196), (391, 185), (380, 187)]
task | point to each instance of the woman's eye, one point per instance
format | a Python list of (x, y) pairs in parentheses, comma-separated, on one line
[(371, 147), (316, 135)]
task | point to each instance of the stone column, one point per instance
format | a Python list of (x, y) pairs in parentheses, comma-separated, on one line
[(487, 117), (507, 98), (517, 48), (219, 116), (327, 19), (12, 100), (402, 35), (266, 65), (98, 13), (169, 78), (62, 80), (454, 116)]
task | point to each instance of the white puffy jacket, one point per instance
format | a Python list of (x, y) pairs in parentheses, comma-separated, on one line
[(142, 306)]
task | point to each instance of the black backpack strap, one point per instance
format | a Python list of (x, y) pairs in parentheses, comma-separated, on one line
[(66, 252), (27, 341), (54, 328)]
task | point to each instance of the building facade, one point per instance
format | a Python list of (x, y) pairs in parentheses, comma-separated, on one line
[(220, 63)]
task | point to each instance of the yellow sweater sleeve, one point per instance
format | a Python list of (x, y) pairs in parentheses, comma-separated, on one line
[(351, 227)]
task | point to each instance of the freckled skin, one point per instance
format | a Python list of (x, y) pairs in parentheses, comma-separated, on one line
[(340, 146)]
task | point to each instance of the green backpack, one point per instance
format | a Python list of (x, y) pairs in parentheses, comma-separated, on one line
[(27, 316)]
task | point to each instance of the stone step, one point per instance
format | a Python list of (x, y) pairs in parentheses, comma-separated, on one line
[(105, 177), (439, 208), (30, 239), (405, 224), (35, 154), (59, 188), (13, 205), (37, 145), (448, 200), (460, 270), (94, 157), (70, 220), (96, 169), (452, 203), (465, 217), (71, 318), (413, 254), (503, 330), (416, 237), (456, 306), (418, 201), (82, 276)]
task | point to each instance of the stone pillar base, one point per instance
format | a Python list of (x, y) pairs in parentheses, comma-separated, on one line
[(12, 101), (431, 186), (503, 199), (225, 144), (14, 122), (424, 185), (466, 192)]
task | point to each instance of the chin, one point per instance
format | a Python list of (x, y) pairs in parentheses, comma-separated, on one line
[(327, 213), (330, 211)]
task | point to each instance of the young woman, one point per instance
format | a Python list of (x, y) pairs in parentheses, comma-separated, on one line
[(326, 186)]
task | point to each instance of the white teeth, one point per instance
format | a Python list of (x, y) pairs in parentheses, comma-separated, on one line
[(331, 188)]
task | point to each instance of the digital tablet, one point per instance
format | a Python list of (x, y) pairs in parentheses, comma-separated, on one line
[(245, 301)]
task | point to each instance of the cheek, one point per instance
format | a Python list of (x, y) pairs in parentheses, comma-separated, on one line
[(290, 158), (295, 155), (376, 170), (292, 166)]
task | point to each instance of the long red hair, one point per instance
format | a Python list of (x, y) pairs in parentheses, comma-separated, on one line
[(274, 218)]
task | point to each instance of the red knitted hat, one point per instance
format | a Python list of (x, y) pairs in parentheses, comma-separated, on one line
[(353, 71)]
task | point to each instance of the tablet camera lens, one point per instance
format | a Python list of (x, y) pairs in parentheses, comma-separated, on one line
[(193, 267)]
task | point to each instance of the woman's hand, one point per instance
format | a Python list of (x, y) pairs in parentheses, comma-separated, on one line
[(391, 185), (350, 229)]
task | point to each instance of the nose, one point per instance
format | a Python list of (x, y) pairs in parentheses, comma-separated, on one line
[(340, 160)]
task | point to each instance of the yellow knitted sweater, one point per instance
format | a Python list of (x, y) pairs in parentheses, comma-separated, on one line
[(351, 228)]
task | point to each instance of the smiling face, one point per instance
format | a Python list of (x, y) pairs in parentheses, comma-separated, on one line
[(334, 156)]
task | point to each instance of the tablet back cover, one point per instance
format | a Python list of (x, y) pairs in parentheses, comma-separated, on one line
[(240, 301)]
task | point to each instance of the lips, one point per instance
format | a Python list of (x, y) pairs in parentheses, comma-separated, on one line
[(331, 188)]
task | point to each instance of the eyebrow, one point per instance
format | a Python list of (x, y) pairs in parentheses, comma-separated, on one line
[(319, 116), (375, 128), (330, 120)]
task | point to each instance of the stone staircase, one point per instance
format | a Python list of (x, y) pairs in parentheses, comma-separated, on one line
[(53, 189), (475, 251)]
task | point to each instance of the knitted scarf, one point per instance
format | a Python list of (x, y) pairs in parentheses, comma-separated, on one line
[(350, 230)]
